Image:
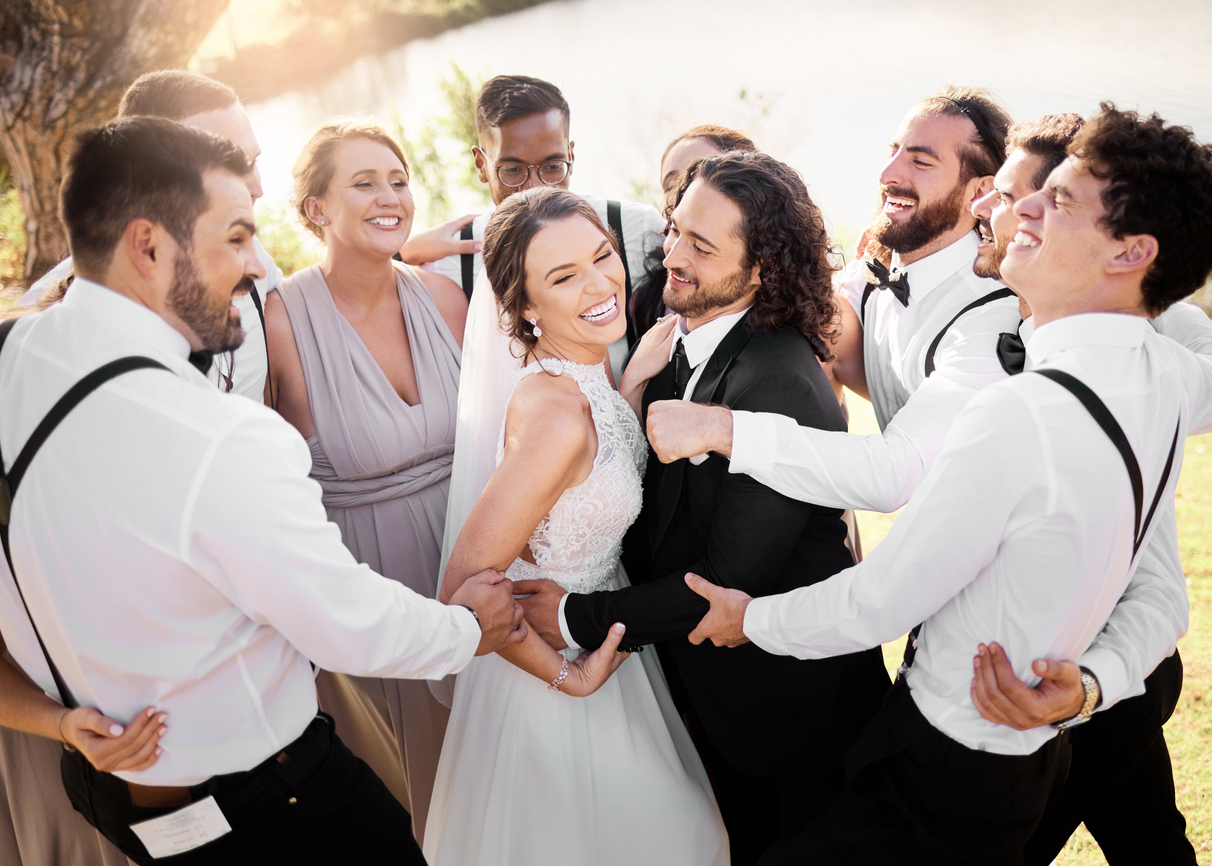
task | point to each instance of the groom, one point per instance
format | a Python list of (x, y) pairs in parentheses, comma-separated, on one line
[(748, 275)]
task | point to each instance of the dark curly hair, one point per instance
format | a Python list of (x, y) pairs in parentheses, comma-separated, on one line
[(507, 238), (1160, 184), (784, 234)]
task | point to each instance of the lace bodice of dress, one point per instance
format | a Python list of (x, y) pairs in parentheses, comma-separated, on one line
[(578, 543)]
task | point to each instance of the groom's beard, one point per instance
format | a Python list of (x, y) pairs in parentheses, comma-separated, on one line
[(706, 297)]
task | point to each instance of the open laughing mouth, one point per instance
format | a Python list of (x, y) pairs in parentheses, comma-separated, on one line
[(986, 231), (898, 204), (1026, 240), (679, 282), (385, 222), (603, 312)]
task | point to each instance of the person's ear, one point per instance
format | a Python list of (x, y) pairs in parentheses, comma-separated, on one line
[(314, 211), (978, 188), (1136, 253), (143, 242), (755, 275), (481, 160), (571, 156)]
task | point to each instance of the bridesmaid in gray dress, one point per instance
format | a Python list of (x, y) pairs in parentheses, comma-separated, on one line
[(364, 356)]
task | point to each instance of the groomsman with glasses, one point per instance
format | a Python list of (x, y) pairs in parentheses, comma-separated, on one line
[(1024, 529)]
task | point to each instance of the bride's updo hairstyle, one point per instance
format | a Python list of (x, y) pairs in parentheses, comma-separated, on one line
[(507, 239), (315, 166)]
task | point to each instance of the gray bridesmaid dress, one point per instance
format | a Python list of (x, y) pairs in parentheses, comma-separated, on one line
[(384, 467)]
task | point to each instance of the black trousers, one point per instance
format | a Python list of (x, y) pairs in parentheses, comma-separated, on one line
[(318, 805), (760, 810), (1121, 783), (915, 796)]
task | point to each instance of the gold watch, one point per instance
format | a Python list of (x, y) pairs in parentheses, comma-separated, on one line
[(1094, 697)]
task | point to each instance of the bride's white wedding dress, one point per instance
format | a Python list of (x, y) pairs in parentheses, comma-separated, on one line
[(534, 777)]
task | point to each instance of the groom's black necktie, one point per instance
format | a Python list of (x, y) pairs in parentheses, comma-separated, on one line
[(898, 285), (681, 371)]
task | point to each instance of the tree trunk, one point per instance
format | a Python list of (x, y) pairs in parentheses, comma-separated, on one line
[(63, 67)]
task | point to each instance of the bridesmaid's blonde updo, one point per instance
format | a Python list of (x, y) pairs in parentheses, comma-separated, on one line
[(507, 239), (314, 167)]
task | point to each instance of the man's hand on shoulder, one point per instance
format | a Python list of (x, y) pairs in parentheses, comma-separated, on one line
[(1002, 698), (543, 609), (680, 428), (489, 594), (724, 623), (439, 242)]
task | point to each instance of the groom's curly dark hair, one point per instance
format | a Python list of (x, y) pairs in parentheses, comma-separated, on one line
[(784, 234)]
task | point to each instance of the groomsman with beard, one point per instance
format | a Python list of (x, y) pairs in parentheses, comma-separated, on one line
[(1019, 529), (1121, 765), (749, 277)]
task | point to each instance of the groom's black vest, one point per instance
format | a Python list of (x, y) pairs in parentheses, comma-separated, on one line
[(766, 714)]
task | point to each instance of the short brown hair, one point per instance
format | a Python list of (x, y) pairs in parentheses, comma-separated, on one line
[(1159, 183), (985, 153), (138, 167), (313, 169), (1048, 137), (507, 98), (507, 238), (722, 138), (175, 94)]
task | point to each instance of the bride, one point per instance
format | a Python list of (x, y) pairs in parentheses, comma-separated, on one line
[(548, 759)]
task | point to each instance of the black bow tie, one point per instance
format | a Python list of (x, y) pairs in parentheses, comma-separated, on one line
[(899, 284), (202, 359), (1011, 352)]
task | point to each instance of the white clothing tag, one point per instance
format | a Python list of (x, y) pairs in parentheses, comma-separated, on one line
[(183, 830)]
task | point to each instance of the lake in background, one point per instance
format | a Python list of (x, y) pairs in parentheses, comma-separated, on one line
[(819, 84)]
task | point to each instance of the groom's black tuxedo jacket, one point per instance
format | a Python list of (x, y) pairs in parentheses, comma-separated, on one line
[(766, 714)]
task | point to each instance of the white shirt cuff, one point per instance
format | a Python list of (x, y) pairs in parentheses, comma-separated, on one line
[(753, 444), (564, 632), (469, 636), (757, 624), (1111, 673)]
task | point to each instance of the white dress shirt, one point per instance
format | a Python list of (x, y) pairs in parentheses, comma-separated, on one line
[(1021, 532), (174, 551), (896, 338), (642, 229), (248, 365), (700, 344)]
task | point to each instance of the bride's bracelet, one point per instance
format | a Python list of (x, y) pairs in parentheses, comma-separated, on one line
[(555, 684)]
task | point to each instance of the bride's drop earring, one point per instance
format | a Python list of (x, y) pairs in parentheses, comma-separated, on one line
[(534, 323)]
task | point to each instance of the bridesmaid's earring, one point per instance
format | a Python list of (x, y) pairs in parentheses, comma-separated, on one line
[(534, 323)]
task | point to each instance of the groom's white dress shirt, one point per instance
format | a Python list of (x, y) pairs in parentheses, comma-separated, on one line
[(174, 552), (246, 368), (1021, 532)]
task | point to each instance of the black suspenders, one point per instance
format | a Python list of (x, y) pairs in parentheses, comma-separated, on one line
[(261, 314), (1115, 433), (11, 480), (614, 218), (1102, 415), (467, 262), (979, 302)]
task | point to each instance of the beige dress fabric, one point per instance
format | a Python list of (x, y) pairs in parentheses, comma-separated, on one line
[(384, 467)]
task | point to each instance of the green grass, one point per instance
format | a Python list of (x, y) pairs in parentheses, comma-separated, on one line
[(1189, 731)]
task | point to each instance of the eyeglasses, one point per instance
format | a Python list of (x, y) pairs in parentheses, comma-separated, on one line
[(515, 174)]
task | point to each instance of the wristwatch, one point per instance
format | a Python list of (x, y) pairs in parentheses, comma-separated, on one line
[(1094, 697), (477, 616)]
